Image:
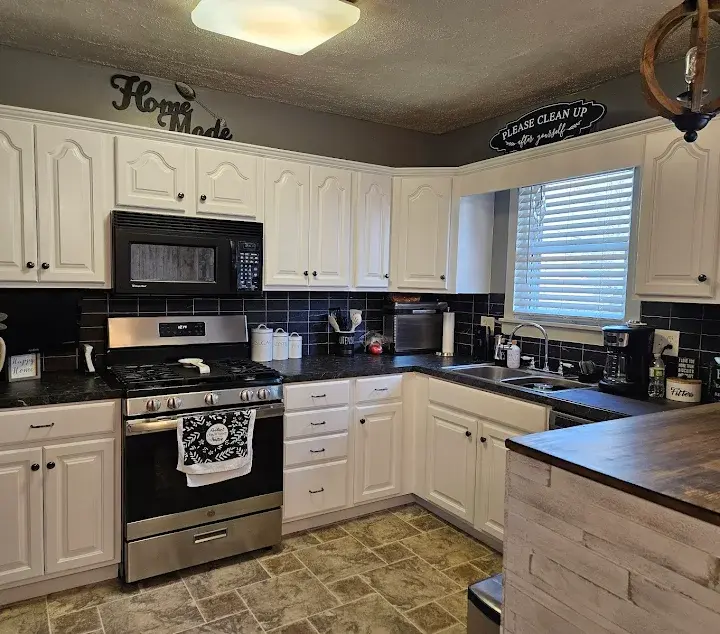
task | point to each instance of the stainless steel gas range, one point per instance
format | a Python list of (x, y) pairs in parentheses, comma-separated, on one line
[(166, 524)]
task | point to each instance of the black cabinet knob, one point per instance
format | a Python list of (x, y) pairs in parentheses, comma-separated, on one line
[(386, 276), (34, 467), (468, 433), (483, 439), (50, 465), (442, 277), (314, 273), (30, 265), (203, 197), (181, 196), (305, 273), (702, 277), (45, 266), (362, 421)]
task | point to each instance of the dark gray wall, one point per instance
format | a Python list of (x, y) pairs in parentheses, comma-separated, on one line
[(44, 82), (498, 267)]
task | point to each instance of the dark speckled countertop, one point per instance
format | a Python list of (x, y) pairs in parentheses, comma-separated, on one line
[(54, 388), (587, 403)]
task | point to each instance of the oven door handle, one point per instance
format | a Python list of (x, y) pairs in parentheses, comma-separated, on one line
[(153, 425)]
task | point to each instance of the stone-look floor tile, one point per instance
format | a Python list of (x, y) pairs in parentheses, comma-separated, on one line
[(164, 611), (82, 622), (393, 552), (410, 511), (329, 533), (283, 600), (243, 623), (455, 604), (426, 523), (300, 627), (280, 564), (221, 605), (376, 530), (446, 547), (350, 589), (465, 574), (28, 617), (490, 565), (88, 596), (159, 582), (371, 615), (431, 618), (339, 559), (210, 579), (291, 543), (460, 628), (409, 583)]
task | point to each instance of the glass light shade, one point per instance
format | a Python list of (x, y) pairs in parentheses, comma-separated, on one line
[(293, 26)]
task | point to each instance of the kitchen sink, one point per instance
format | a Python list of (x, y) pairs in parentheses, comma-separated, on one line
[(542, 383), (492, 372)]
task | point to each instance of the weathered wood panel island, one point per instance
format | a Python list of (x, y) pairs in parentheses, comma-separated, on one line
[(615, 527)]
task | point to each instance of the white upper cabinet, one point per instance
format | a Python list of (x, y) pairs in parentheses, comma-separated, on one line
[(287, 220), (421, 233), (330, 227), (18, 239), (154, 175), (73, 205), (372, 230), (227, 185), (678, 227)]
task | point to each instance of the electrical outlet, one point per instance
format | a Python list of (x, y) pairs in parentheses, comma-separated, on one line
[(487, 320), (665, 337)]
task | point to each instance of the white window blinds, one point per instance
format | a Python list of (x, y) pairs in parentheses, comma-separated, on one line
[(571, 257)]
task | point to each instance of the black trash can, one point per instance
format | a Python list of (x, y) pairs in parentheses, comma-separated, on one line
[(485, 599)]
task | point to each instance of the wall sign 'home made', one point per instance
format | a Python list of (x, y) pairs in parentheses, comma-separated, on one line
[(548, 124)]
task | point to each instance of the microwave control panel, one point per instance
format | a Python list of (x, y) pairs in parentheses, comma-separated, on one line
[(247, 266)]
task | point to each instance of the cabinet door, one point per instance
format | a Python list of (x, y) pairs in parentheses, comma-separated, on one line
[(372, 230), (330, 227), (21, 501), (18, 237), (423, 232), (79, 504), (73, 176), (490, 515), (287, 217), (450, 464), (227, 184), (678, 227), (378, 451), (154, 175)]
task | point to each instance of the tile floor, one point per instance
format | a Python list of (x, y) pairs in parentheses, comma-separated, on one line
[(401, 571)]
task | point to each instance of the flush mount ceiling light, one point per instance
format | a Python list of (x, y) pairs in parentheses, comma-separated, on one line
[(293, 26)]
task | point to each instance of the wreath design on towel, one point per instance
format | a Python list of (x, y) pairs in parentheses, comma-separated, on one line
[(199, 451)]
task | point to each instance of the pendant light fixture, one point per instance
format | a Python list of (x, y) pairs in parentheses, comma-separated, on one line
[(691, 110)]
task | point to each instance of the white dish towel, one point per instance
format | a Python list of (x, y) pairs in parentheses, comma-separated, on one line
[(215, 446)]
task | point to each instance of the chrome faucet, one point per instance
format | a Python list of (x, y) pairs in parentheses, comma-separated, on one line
[(532, 324)]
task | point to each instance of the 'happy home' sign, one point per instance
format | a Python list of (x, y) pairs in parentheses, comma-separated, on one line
[(548, 124)]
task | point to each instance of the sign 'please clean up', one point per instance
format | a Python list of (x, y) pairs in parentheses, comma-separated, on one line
[(548, 124)]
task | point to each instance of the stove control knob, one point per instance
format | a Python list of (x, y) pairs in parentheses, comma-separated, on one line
[(153, 405), (212, 398), (263, 394), (174, 402), (246, 395)]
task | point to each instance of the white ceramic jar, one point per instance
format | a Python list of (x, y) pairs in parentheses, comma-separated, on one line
[(280, 345), (261, 343), (295, 348)]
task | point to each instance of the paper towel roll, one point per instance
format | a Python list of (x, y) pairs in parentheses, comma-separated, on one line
[(448, 340)]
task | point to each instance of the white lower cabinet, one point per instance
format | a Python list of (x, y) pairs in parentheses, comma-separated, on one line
[(490, 487), (450, 463), (315, 489), (378, 452)]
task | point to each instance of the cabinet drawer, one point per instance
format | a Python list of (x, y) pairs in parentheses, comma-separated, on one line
[(315, 489), (57, 421), (378, 388), (319, 394), (320, 449), (323, 421)]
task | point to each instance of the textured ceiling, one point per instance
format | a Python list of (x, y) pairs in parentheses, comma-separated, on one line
[(430, 65)]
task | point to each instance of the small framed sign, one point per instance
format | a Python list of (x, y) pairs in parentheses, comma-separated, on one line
[(23, 367)]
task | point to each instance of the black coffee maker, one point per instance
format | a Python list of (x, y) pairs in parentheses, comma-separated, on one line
[(629, 354)]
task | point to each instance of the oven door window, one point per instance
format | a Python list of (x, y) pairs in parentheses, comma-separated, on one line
[(172, 263)]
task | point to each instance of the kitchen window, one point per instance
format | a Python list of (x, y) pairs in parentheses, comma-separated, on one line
[(571, 260)]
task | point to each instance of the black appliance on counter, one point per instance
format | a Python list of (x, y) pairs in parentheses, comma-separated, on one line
[(156, 254), (166, 524), (414, 328), (627, 364)]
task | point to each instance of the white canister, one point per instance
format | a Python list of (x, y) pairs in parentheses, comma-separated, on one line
[(683, 390), (280, 345), (295, 347), (261, 344)]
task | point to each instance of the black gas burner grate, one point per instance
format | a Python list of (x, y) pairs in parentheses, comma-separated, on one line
[(146, 373)]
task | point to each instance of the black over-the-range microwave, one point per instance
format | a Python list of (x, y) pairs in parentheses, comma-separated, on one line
[(155, 254)]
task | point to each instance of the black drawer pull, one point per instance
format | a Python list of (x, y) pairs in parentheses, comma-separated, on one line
[(317, 450), (42, 426), (483, 439), (320, 490), (468, 433), (380, 389), (203, 198), (318, 395), (315, 424), (50, 465), (35, 467), (362, 421)]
